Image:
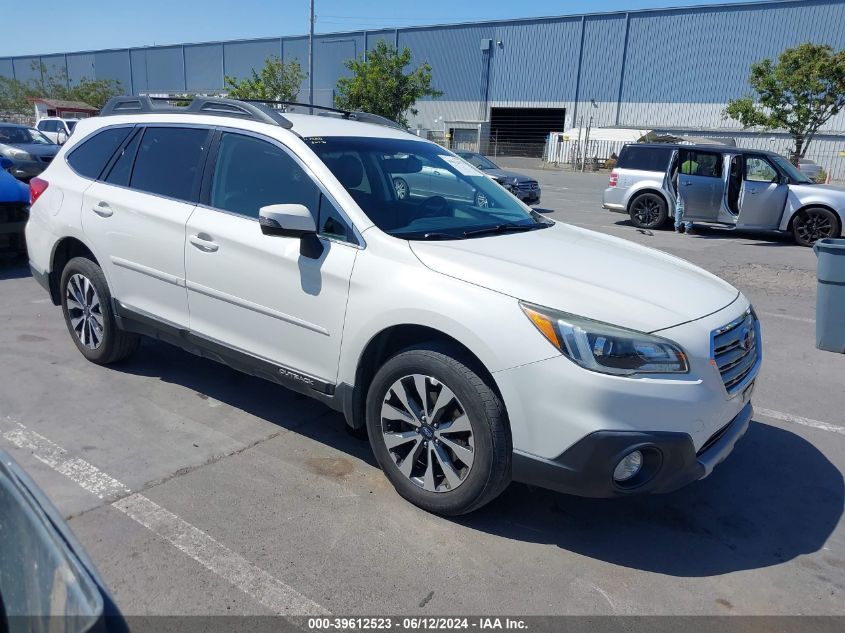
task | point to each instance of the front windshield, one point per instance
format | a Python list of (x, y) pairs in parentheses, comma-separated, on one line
[(418, 190), (790, 170), (477, 160), (22, 136)]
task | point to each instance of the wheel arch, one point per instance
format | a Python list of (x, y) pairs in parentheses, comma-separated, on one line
[(64, 250), (391, 340)]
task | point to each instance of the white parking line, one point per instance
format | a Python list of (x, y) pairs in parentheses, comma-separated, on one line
[(213, 555), (789, 317), (208, 552), (797, 419)]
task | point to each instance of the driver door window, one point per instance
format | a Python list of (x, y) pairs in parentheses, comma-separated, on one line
[(758, 169)]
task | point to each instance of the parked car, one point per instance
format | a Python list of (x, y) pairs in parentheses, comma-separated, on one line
[(476, 343), (810, 169), (28, 149), (14, 207), (525, 188), (56, 129), (47, 581), (742, 188)]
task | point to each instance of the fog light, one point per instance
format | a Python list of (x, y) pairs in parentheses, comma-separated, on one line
[(628, 466)]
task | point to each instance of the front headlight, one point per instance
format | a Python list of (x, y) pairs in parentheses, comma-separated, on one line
[(18, 154), (606, 348)]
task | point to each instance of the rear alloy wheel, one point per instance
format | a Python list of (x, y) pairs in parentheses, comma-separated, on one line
[(400, 185), (648, 211), (438, 431), (814, 224), (88, 312)]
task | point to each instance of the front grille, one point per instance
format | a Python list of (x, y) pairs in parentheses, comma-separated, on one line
[(528, 185), (735, 348)]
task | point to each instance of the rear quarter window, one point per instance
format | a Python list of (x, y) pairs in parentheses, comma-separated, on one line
[(90, 157), (645, 158)]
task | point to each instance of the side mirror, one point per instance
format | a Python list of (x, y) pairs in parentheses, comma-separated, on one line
[(288, 220), (5, 163), (61, 137)]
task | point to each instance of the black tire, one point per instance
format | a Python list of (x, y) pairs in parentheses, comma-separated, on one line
[(490, 472), (813, 224), (648, 211), (400, 186), (114, 343)]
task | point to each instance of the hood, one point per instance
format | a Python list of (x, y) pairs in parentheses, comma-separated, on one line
[(585, 273), (506, 175), (36, 149), (819, 189)]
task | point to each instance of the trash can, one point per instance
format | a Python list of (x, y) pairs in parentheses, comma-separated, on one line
[(830, 302)]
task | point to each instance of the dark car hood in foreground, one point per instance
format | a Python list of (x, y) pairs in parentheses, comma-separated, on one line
[(506, 175)]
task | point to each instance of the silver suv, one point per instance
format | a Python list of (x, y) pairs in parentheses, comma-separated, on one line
[(742, 188)]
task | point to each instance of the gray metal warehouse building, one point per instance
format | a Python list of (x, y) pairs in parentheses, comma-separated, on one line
[(666, 69)]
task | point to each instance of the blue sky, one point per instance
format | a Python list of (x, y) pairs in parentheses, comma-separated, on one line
[(94, 24)]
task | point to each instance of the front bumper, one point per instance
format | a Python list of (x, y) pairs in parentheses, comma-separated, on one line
[(531, 196), (671, 462)]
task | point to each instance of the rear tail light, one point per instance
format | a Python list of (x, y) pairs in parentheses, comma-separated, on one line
[(37, 186), (614, 178)]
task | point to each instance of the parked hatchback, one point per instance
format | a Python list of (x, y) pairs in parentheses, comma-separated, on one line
[(56, 129), (476, 343), (742, 188)]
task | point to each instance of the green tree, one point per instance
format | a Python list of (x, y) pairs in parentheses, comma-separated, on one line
[(379, 84), (278, 81), (53, 83), (14, 97), (799, 93)]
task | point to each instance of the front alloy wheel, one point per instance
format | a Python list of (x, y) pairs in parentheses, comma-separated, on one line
[(813, 225), (427, 433), (84, 311)]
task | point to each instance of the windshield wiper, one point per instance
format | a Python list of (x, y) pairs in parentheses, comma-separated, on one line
[(430, 235), (503, 228)]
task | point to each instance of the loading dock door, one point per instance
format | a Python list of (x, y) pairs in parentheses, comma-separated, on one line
[(523, 131)]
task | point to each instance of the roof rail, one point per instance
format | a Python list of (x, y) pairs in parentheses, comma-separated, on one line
[(364, 117), (215, 106)]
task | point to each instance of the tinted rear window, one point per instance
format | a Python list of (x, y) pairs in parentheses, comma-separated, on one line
[(92, 155), (168, 161), (645, 158)]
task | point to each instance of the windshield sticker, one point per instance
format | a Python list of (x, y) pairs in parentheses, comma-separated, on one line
[(463, 167)]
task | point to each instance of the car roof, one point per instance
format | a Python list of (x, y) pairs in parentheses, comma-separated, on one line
[(18, 125), (722, 149)]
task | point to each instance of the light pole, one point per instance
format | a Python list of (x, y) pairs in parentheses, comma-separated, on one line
[(311, 61)]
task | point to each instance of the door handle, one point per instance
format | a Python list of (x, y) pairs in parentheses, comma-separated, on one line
[(204, 243), (103, 210)]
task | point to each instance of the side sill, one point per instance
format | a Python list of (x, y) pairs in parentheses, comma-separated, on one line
[(322, 390)]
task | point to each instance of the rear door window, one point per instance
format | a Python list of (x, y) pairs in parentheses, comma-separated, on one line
[(92, 155), (645, 158), (121, 171), (696, 163), (169, 161)]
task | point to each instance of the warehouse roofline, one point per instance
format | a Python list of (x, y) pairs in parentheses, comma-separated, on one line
[(755, 4)]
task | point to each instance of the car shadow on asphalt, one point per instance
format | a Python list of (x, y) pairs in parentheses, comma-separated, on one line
[(775, 498), (261, 398), (764, 238)]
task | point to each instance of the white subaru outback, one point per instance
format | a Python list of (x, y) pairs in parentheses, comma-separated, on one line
[(477, 341)]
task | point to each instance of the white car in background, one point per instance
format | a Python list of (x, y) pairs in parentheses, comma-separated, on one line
[(476, 343), (56, 129)]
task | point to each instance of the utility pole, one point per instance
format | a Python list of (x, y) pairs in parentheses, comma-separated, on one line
[(311, 60)]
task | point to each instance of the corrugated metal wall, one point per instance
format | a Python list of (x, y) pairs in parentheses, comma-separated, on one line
[(655, 68)]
